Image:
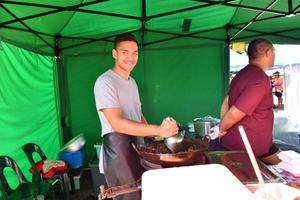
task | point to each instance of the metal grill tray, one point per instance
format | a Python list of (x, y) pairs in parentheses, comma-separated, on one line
[(239, 164)]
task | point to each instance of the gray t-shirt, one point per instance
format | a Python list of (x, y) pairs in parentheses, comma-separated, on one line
[(113, 91)]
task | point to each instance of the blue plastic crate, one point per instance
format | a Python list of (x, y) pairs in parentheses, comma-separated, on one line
[(73, 159)]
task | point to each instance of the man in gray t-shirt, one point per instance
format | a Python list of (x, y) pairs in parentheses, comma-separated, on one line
[(119, 109)]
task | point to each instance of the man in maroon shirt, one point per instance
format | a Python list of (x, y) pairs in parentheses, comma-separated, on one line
[(250, 103)]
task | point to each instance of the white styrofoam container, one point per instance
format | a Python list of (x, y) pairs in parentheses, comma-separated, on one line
[(274, 191), (212, 181), (289, 156)]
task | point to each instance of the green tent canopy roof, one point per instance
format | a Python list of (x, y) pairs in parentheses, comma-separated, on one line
[(39, 25)]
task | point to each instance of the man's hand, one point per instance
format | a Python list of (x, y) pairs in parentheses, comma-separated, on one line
[(215, 133), (168, 128)]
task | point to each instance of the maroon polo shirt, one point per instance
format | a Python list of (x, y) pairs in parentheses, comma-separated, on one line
[(251, 92)]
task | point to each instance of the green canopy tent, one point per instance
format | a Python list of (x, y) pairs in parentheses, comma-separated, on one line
[(182, 69)]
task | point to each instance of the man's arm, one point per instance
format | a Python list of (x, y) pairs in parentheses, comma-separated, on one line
[(230, 118), (120, 124), (224, 107)]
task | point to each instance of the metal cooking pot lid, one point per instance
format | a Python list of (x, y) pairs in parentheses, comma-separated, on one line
[(207, 119)]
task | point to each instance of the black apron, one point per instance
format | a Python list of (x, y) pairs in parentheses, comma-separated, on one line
[(121, 162)]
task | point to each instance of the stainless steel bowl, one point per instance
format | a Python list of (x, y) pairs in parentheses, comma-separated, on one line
[(74, 144), (174, 143)]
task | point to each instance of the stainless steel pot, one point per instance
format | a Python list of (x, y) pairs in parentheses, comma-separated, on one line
[(203, 125)]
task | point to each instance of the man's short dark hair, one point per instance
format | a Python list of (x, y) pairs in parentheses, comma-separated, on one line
[(124, 37), (258, 46), (276, 73)]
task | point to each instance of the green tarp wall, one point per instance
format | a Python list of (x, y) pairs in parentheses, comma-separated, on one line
[(182, 79), (28, 106)]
